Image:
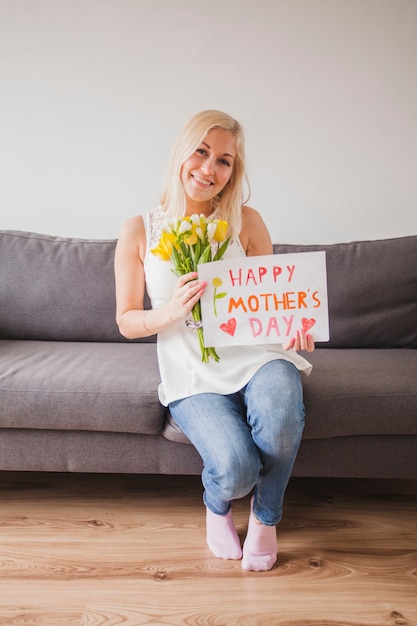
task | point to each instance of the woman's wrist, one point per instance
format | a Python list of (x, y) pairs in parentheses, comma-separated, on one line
[(144, 324), (155, 320)]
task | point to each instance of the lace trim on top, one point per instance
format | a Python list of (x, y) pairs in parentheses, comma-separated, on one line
[(156, 222)]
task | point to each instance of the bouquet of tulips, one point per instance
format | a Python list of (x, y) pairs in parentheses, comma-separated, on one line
[(188, 241)]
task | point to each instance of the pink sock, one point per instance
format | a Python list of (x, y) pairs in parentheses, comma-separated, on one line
[(260, 547), (222, 538)]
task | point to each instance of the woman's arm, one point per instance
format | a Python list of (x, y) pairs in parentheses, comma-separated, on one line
[(130, 279)]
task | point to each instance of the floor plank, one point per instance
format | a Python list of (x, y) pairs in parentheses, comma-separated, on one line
[(84, 550)]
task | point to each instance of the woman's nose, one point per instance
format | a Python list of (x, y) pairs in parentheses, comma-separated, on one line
[(208, 166)]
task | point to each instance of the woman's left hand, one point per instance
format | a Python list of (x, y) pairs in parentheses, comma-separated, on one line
[(301, 341)]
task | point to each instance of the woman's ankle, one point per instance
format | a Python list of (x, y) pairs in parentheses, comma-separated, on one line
[(222, 537)]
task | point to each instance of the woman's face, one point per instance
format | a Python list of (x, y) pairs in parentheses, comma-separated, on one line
[(205, 173)]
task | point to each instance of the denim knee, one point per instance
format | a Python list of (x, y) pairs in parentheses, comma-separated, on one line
[(234, 476)]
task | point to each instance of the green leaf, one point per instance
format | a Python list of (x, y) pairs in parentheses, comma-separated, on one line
[(197, 251), (220, 252), (206, 256), (184, 249), (175, 258), (192, 255)]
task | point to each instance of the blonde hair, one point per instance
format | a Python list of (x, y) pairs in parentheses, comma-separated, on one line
[(229, 201)]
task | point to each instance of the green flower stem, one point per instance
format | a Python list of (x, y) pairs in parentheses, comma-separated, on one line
[(206, 353)]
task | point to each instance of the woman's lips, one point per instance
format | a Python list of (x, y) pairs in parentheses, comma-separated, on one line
[(202, 181)]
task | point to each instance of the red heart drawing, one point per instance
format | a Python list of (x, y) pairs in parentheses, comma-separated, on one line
[(307, 324), (229, 327)]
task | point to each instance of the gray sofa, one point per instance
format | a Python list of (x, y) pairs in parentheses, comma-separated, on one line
[(75, 396)]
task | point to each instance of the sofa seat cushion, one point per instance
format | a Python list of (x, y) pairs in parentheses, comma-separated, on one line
[(361, 392), (80, 386), (354, 392)]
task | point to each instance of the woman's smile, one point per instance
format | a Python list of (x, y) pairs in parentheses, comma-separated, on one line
[(202, 181)]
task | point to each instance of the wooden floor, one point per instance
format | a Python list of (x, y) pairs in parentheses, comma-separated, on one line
[(106, 550)]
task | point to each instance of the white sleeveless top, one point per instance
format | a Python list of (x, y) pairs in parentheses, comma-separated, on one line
[(182, 372)]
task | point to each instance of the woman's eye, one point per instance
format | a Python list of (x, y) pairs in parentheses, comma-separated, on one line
[(205, 153)]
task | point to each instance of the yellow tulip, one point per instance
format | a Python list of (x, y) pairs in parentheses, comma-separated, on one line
[(164, 248), (191, 239), (221, 231)]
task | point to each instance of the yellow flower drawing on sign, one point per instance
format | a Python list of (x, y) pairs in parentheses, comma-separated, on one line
[(217, 282)]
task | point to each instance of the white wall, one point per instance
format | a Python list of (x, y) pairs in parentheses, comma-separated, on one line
[(93, 92)]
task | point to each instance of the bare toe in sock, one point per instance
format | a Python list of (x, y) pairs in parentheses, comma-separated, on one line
[(260, 547), (222, 538)]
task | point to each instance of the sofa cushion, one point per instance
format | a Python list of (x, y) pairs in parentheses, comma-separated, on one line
[(80, 386), (354, 392), (58, 289), (372, 289)]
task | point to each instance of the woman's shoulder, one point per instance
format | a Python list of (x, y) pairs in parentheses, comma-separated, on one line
[(141, 224), (132, 236), (146, 229), (250, 215), (254, 235), (133, 225)]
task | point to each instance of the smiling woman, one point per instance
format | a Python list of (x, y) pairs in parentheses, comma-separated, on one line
[(241, 408)]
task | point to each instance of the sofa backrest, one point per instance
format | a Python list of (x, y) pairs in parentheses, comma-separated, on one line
[(58, 289), (62, 289), (372, 292)]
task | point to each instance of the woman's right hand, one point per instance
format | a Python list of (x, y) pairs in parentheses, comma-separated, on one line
[(187, 292)]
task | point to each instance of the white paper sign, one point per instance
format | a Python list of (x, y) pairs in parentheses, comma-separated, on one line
[(264, 299)]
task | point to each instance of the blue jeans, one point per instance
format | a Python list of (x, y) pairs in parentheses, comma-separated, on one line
[(247, 440)]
